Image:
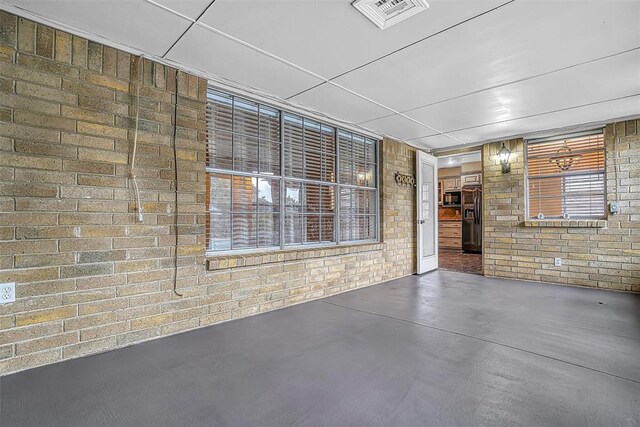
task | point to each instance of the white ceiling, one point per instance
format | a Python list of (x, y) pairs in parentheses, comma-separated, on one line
[(462, 72), (459, 159)]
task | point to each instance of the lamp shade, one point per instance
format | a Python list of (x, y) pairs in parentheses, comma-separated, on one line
[(504, 154)]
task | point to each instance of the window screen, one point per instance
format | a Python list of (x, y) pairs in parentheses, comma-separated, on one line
[(566, 177), (272, 179)]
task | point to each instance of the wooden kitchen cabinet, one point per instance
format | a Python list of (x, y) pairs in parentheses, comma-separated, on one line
[(450, 234), (450, 184), (474, 178)]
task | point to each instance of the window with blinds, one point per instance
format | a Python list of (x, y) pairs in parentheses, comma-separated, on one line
[(358, 195), (274, 179), (566, 177)]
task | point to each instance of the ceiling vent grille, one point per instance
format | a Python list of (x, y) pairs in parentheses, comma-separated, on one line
[(385, 13)]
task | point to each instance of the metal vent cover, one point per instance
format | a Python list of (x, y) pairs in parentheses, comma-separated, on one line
[(385, 13)]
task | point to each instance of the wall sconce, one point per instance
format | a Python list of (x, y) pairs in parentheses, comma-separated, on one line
[(503, 156)]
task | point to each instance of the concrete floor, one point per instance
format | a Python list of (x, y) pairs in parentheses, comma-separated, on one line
[(445, 348)]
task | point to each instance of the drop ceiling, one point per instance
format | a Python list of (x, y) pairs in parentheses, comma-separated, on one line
[(462, 72)]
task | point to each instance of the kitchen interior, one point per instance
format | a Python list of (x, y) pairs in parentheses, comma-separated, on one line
[(460, 212)]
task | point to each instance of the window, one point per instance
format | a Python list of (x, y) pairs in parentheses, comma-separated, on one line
[(274, 179), (566, 177), (358, 195)]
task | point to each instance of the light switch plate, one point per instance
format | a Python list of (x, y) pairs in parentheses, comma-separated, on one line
[(7, 293)]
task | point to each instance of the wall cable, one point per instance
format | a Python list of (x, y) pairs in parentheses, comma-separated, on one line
[(132, 163), (175, 177)]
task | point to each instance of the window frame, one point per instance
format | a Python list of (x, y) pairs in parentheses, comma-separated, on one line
[(527, 142), (282, 180)]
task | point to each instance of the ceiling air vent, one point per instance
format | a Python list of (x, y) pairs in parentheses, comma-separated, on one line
[(385, 13)]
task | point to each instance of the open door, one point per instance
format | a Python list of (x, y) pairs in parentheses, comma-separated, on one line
[(427, 211)]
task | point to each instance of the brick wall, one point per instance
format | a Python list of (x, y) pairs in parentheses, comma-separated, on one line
[(603, 254), (89, 278)]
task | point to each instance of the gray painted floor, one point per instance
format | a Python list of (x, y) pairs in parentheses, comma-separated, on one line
[(441, 349)]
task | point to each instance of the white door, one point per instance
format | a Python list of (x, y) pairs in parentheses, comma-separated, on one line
[(427, 210)]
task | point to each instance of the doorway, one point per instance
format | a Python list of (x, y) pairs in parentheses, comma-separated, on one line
[(460, 212), (427, 214)]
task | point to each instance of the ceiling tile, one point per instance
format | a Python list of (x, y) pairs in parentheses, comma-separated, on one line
[(522, 39), (190, 8), (135, 23), (597, 113), (211, 53), (399, 127), (609, 78), (330, 37), (341, 104)]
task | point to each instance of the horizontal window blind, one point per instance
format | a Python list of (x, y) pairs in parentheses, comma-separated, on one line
[(566, 178), (272, 179), (358, 196)]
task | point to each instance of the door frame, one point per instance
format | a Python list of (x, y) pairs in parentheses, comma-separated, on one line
[(430, 262)]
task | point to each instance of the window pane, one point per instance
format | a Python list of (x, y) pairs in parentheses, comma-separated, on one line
[(220, 212), (358, 210), (346, 227), (245, 154), (244, 231), (293, 159), (327, 201), (243, 194), (245, 117), (220, 232), (269, 157), (346, 158), (309, 209), (269, 124), (370, 151), (293, 229), (311, 198), (328, 168), (328, 140), (268, 230), (312, 165), (220, 111), (312, 140), (219, 149), (312, 228), (268, 195), (234, 126), (370, 175), (293, 195), (327, 232)]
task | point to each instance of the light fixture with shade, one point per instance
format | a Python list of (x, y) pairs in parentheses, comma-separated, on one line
[(503, 156)]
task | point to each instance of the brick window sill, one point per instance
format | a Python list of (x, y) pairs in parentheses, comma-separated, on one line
[(566, 223), (221, 262)]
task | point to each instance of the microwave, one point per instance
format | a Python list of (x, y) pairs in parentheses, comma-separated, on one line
[(451, 198)]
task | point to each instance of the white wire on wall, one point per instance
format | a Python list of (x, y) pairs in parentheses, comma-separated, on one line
[(132, 169)]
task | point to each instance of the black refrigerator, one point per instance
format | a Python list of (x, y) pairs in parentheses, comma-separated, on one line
[(472, 218)]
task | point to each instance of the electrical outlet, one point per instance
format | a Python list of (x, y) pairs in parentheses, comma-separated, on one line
[(613, 207), (7, 293), (557, 262)]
